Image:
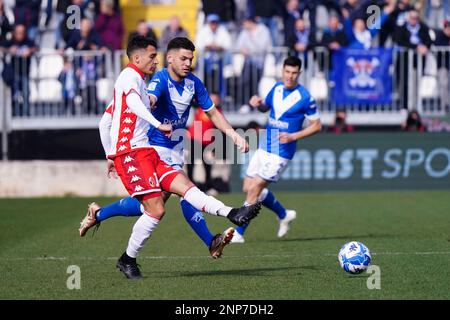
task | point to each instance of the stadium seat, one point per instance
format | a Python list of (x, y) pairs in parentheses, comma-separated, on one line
[(49, 90), (265, 85), (428, 87), (318, 87), (104, 90), (270, 66), (33, 91), (50, 66)]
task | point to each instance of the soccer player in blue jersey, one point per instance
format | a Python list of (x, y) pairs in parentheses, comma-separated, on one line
[(289, 104), (171, 92)]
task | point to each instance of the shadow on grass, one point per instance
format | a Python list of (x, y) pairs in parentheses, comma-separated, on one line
[(344, 237), (262, 272)]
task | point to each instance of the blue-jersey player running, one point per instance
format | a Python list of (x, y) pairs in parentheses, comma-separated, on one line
[(289, 104), (171, 92)]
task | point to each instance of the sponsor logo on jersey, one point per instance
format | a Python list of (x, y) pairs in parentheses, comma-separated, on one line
[(138, 188), (278, 123)]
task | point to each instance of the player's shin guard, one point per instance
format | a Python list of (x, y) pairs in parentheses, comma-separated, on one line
[(142, 230), (197, 222), (268, 200), (128, 207), (201, 201)]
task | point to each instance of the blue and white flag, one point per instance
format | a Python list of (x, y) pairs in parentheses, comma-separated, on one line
[(362, 76)]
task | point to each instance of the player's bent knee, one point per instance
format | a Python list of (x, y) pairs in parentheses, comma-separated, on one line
[(154, 207), (180, 185)]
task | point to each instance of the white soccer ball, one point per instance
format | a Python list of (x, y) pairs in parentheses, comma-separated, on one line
[(354, 257)]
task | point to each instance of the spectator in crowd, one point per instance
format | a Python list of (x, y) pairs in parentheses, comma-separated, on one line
[(331, 5), (199, 141), (143, 29), (85, 38), (98, 6), (396, 19), (5, 25), (413, 122), (69, 78), (86, 65), (26, 13), (443, 61), (16, 72), (414, 34), (173, 30), (269, 13), (304, 38), (109, 26), (60, 14), (65, 32), (443, 36), (225, 9), (253, 42), (436, 11), (214, 42), (334, 36), (340, 124), (359, 36), (291, 14), (351, 7)]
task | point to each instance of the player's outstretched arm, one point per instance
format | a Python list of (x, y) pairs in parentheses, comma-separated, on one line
[(313, 127), (223, 125)]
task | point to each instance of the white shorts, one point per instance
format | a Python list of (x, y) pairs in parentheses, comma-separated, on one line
[(267, 166), (173, 157)]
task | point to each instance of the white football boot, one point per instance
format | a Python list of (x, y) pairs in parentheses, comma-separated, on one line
[(237, 238), (284, 223)]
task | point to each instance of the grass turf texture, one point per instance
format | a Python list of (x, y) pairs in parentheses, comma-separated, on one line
[(407, 233)]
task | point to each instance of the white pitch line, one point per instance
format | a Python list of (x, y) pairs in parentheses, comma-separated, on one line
[(417, 253)]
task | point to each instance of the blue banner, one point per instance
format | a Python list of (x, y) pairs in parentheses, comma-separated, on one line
[(362, 76)]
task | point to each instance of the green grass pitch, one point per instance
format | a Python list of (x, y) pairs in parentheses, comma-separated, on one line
[(408, 234)]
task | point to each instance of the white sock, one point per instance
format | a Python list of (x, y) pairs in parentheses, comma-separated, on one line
[(208, 204), (142, 230), (263, 195)]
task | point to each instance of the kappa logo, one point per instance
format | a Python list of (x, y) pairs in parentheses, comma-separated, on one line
[(135, 178), (126, 130), (127, 110), (128, 159), (363, 70), (124, 139), (122, 147), (138, 188), (131, 169), (127, 120)]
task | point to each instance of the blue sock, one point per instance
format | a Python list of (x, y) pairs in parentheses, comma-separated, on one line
[(242, 229), (273, 204), (127, 207), (197, 222)]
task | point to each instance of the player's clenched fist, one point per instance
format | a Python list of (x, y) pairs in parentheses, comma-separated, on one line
[(255, 101)]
